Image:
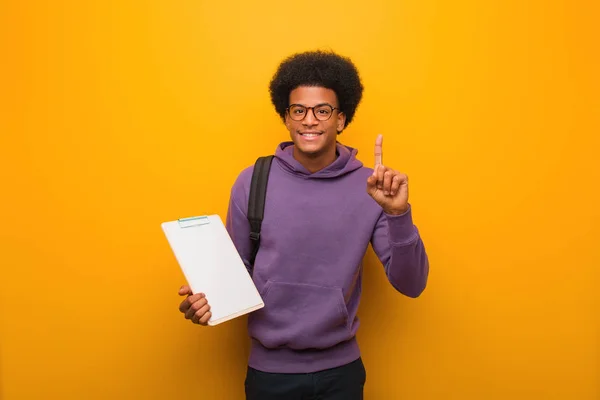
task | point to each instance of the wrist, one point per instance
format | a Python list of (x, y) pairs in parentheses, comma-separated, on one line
[(396, 211)]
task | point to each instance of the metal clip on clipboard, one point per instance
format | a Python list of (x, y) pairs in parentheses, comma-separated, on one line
[(193, 221)]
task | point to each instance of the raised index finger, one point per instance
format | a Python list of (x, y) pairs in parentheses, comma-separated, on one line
[(378, 150)]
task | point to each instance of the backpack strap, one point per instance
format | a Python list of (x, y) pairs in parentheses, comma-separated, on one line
[(256, 201)]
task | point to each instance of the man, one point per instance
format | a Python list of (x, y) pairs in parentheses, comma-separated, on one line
[(322, 209)]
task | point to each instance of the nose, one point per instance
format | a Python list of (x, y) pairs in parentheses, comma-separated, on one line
[(309, 119)]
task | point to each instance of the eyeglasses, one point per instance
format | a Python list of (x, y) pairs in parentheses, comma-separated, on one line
[(322, 112)]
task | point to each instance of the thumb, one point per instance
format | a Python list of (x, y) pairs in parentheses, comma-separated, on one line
[(371, 185), (185, 290)]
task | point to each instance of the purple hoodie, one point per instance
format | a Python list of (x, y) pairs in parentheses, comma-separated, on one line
[(308, 269)]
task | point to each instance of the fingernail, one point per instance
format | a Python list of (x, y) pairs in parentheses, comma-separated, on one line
[(386, 193)]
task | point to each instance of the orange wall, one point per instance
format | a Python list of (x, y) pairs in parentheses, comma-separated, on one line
[(116, 116)]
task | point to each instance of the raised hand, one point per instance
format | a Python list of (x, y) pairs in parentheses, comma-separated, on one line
[(388, 187)]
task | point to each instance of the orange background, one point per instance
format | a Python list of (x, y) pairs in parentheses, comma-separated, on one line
[(116, 116)]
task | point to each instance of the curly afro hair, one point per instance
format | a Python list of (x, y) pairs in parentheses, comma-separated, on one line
[(317, 68)]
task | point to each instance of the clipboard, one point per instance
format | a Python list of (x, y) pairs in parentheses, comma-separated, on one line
[(212, 265)]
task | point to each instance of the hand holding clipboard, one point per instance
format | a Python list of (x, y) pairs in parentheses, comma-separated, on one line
[(195, 307), (213, 269)]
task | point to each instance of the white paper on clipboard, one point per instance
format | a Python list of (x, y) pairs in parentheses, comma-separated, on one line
[(211, 265)]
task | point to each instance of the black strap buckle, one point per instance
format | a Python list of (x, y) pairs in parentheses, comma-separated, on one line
[(254, 236)]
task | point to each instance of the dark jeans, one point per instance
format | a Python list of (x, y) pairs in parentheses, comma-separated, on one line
[(341, 383)]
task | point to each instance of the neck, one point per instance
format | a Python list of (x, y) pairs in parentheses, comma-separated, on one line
[(315, 162)]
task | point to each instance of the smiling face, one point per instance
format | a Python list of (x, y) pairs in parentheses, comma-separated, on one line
[(313, 138)]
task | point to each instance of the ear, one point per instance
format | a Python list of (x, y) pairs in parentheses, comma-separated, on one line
[(287, 121), (341, 122)]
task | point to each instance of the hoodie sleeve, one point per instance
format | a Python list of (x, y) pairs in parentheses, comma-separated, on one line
[(237, 223), (397, 243)]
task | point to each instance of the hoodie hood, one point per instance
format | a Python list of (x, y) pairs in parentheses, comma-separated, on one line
[(345, 162)]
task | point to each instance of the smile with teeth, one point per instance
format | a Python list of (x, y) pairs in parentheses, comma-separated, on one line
[(310, 134)]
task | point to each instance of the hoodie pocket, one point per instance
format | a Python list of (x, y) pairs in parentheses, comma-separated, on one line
[(300, 316)]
